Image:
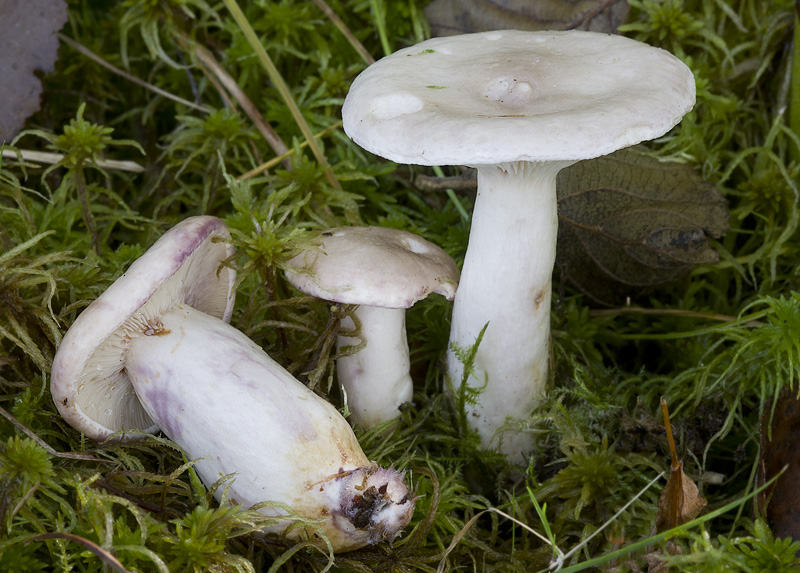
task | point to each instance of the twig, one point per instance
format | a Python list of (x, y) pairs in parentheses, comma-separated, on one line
[(47, 157), (89, 54), (465, 182)]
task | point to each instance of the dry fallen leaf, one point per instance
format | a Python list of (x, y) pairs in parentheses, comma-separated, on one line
[(628, 222), (680, 500), (28, 42), (448, 17)]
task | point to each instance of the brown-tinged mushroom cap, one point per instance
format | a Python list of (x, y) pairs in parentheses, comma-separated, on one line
[(89, 384), (374, 266), (507, 96)]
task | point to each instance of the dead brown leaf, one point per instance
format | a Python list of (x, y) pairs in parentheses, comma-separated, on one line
[(680, 500), (629, 222)]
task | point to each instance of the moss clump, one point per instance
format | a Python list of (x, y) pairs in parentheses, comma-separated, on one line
[(223, 137)]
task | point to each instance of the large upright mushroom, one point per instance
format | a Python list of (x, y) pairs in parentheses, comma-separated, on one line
[(384, 271), (519, 107), (155, 351)]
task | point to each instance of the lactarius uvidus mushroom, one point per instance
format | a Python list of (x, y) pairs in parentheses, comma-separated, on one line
[(519, 107), (155, 351), (384, 271)]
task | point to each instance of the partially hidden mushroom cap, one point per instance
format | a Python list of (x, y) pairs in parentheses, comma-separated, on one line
[(89, 384), (373, 266), (507, 96)]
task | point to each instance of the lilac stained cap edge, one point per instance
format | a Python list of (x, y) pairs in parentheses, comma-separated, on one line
[(508, 95), (103, 316)]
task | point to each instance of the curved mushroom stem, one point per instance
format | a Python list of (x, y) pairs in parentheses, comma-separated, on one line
[(376, 379), (505, 283), (215, 393)]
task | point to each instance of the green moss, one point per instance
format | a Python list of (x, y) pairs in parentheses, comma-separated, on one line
[(719, 344)]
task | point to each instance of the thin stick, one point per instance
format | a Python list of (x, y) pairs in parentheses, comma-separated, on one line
[(91, 55), (47, 157), (276, 78)]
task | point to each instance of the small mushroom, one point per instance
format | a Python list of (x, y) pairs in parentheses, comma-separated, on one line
[(384, 271), (518, 106), (155, 351)]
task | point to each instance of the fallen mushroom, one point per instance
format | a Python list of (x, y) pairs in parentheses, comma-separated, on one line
[(384, 271), (518, 106), (155, 351)]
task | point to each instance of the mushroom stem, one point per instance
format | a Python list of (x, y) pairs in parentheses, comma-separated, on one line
[(376, 379), (505, 282), (230, 406)]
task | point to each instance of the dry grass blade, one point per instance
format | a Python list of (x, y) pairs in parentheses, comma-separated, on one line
[(209, 61), (104, 555), (89, 54), (276, 78), (276, 160), (346, 32), (457, 538)]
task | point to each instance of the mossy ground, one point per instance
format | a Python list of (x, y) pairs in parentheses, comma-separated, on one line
[(718, 344)]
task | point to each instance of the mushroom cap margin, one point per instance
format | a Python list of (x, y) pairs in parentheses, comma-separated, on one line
[(374, 266), (89, 335), (510, 95)]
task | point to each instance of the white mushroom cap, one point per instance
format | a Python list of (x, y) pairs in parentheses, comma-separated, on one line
[(507, 96), (374, 266), (89, 384)]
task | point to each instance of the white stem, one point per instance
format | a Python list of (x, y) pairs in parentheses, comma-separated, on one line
[(505, 282), (376, 379), (222, 399)]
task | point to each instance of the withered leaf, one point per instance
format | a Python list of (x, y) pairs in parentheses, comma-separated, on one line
[(628, 222), (680, 500), (779, 431), (447, 17), (28, 42)]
